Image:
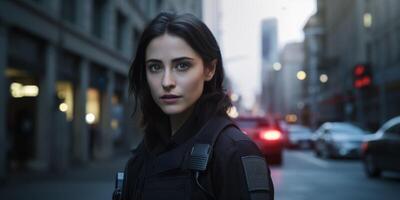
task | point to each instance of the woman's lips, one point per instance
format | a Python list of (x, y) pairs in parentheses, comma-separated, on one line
[(170, 99)]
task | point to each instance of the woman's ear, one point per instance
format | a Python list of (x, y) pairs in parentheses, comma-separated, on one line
[(209, 70)]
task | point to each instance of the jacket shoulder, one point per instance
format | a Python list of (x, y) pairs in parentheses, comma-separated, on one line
[(233, 141), (234, 134)]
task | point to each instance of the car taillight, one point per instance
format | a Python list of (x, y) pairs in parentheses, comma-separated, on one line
[(364, 147), (270, 135)]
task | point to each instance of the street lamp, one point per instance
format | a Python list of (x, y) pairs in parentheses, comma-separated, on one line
[(63, 107), (277, 66), (234, 97), (323, 78), (90, 118), (301, 75)]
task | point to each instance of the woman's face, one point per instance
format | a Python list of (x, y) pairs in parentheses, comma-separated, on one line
[(175, 74)]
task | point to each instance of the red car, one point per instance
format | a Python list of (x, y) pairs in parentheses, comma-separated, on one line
[(266, 134)]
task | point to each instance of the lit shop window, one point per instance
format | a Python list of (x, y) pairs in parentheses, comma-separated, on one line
[(291, 118), (18, 90), (117, 116), (93, 106), (66, 94), (367, 20)]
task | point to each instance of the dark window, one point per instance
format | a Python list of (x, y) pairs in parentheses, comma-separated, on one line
[(68, 10), (135, 39), (98, 18), (387, 49), (121, 23), (398, 43)]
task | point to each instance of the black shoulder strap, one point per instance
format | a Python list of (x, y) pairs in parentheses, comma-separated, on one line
[(204, 142)]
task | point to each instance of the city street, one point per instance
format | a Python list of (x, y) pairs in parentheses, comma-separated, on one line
[(302, 176), (82, 82), (95, 181)]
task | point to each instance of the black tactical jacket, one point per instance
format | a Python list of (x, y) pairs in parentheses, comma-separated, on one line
[(236, 170)]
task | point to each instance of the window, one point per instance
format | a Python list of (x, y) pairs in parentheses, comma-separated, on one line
[(121, 23), (382, 53), (68, 10), (388, 51), (397, 35), (98, 18), (393, 47), (375, 55), (135, 39)]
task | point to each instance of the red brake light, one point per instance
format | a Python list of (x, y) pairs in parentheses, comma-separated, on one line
[(364, 147), (270, 135)]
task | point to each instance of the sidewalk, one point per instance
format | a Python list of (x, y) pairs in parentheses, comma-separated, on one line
[(92, 181)]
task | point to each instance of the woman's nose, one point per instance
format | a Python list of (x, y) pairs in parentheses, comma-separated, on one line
[(168, 81)]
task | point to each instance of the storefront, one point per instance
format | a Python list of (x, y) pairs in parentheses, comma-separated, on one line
[(24, 62)]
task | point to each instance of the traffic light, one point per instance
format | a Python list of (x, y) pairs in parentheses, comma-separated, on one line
[(362, 76)]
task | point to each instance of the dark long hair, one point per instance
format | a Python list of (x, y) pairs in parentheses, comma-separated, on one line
[(200, 38)]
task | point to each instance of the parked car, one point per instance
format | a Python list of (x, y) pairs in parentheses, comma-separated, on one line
[(381, 151), (338, 139), (298, 136), (266, 134)]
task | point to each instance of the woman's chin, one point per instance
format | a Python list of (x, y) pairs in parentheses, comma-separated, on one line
[(175, 109), (172, 110)]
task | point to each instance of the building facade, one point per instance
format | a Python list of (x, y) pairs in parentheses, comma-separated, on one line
[(313, 46), (288, 86), (63, 78), (269, 53), (359, 34)]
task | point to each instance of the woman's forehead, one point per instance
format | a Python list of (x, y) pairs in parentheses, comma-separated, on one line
[(168, 47)]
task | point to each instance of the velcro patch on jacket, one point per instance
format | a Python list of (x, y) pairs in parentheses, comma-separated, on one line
[(256, 173)]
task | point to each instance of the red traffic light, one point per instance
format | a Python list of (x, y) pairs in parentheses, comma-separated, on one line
[(362, 76), (359, 70)]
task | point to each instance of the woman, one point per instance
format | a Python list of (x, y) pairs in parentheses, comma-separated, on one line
[(190, 150)]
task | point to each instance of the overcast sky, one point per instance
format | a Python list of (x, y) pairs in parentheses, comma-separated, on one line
[(241, 37)]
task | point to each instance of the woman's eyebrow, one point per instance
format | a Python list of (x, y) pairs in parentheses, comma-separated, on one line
[(173, 60), (181, 58), (153, 60)]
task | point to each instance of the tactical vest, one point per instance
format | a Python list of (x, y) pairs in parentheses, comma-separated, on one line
[(172, 174)]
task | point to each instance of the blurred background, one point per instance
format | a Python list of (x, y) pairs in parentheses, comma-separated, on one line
[(323, 75)]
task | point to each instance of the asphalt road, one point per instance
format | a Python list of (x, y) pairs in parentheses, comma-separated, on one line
[(304, 176), (301, 177), (94, 181)]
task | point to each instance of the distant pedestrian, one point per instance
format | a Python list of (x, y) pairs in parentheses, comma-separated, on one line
[(191, 149)]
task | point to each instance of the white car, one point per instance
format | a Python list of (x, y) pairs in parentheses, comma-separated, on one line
[(338, 139), (299, 136)]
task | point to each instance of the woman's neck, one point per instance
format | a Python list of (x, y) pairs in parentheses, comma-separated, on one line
[(178, 120)]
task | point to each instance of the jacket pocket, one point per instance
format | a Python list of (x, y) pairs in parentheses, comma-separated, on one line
[(164, 188)]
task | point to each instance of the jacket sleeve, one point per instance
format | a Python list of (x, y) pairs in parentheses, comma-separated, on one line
[(239, 169), (131, 173), (127, 183)]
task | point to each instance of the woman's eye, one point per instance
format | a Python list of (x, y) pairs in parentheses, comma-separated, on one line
[(154, 67), (182, 66)]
